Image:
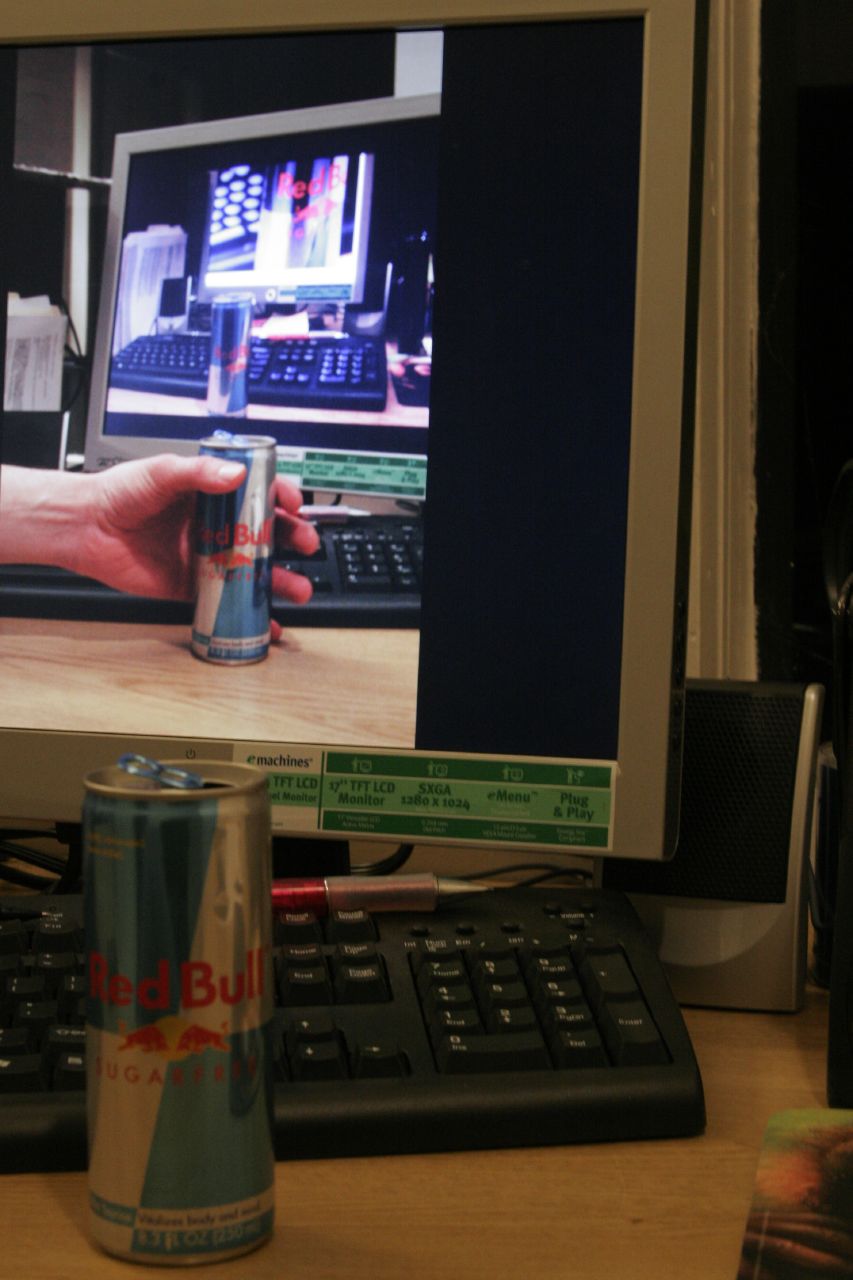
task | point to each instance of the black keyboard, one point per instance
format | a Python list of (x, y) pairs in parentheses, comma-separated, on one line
[(304, 373), (366, 573), (514, 1018)]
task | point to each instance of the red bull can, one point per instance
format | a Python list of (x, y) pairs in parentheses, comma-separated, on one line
[(227, 374), (179, 1010), (234, 535)]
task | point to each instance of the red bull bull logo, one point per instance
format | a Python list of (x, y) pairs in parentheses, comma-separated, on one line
[(157, 1054)]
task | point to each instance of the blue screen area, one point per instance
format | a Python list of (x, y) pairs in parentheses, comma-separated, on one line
[(521, 643)]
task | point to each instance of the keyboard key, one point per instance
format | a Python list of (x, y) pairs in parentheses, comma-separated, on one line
[(295, 928), (520, 1018), (607, 976), (14, 936), (309, 984), (350, 926), (378, 1061), (361, 983), (15, 1041), (69, 1072), (21, 1073), (630, 1034), (470, 1055), (582, 1048), (323, 1060)]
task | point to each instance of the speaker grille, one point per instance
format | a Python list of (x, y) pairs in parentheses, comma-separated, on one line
[(741, 743)]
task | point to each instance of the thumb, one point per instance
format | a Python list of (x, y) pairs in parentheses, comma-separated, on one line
[(171, 474)]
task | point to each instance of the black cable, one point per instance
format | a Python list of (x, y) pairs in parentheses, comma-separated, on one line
[(384, 866), (549, 869)]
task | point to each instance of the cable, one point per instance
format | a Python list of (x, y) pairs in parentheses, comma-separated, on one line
[(384, 866), (549, 869)]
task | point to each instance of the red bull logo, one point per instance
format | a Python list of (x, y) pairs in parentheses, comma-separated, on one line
[(239, 534), (234, 359), (194, 982)]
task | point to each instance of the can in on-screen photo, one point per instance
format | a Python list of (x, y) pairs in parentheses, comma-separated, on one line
[(234, 536), (227, 375), (179, 1014)]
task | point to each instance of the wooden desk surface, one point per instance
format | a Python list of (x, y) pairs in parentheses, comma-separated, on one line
[(318, 684), (626, 1211)]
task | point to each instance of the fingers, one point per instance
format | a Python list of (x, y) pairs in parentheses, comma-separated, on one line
[(293, 586), (296, 533)]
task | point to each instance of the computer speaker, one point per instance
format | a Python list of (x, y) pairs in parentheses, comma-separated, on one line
[(729, 912)]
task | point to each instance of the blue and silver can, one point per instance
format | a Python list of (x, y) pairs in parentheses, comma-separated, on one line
[(179, 1012), (234, 535), (227, 376)]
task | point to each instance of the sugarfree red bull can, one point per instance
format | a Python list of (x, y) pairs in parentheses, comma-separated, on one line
[(179, 1011), (227, 374), (234, 535)]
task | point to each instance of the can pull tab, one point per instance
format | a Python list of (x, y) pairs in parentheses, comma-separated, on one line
[(165, 775)]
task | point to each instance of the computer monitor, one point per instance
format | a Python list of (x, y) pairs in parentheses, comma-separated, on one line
[(312, 214), (539, 704)]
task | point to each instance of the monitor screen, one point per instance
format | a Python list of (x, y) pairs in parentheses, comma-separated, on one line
[(511, 232)]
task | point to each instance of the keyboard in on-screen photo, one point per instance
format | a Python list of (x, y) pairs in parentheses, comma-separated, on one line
[(517, 1017), (366, 573), (305, 372)]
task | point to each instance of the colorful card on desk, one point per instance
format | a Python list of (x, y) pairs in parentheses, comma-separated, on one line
[(800, 1224)]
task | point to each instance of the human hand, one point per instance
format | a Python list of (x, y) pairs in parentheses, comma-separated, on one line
[(138, 534)]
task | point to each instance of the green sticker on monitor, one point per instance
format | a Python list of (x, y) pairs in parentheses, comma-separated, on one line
[(440, 797), (431, 797)]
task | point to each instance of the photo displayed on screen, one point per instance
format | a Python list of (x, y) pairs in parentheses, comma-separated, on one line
[(329, 232), (440, 306)]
